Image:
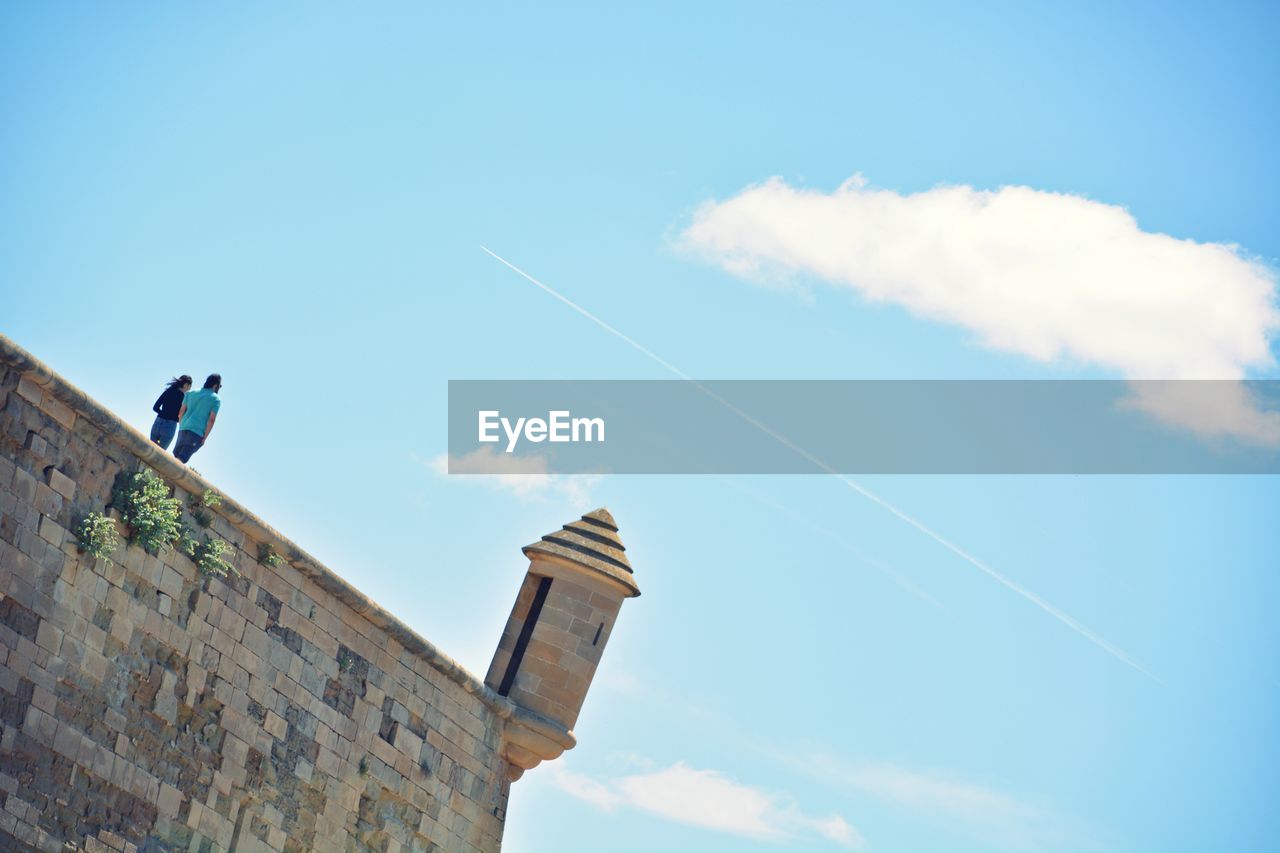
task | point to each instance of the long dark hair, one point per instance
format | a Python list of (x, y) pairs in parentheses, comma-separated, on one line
[(178, 381)]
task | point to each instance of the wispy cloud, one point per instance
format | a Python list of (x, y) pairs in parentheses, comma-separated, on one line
[(993, 817), (944, 799), (708, 799), (1049, 276), (523, 476)]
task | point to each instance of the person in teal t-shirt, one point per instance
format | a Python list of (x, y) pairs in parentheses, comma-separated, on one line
[(195, 419)]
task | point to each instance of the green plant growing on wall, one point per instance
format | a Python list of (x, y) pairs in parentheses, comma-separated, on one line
[(97, 535), (345, 660), (146, 508), (187, 542), (267, 556), (201, 504), (210, 557)]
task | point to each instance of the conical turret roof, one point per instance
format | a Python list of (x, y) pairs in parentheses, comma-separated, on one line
[(590, 541)]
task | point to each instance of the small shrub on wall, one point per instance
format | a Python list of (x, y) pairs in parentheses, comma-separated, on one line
[(201, 504), (211, 557), (97, 535), (268, 556), (147, 509)]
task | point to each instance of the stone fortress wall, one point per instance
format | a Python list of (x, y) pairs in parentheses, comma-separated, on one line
[(144, 705)]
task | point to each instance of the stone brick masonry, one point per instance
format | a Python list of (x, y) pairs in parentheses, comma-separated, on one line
[(144, 706)]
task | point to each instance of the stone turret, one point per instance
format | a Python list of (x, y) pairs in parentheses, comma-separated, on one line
[(577, 579)]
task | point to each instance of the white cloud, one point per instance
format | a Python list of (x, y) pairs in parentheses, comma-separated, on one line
[(708, 799), (1208, 409), (1048, 276), (523, 476)]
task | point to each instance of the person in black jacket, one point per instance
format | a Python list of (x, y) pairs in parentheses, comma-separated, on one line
[(167, 408)]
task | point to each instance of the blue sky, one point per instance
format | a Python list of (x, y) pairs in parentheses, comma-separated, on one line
[(296, 195)]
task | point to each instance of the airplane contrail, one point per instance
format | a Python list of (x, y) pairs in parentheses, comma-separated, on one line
[(904, 582), (1062, 617)]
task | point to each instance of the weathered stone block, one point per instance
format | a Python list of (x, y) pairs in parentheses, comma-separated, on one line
[(275, 725), (58, 410), (60, 482), (30, 390), (51, 532), (37, 445), (23, 486)]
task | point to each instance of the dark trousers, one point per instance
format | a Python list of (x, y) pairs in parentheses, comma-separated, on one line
[(162, 431), (188, 443)]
